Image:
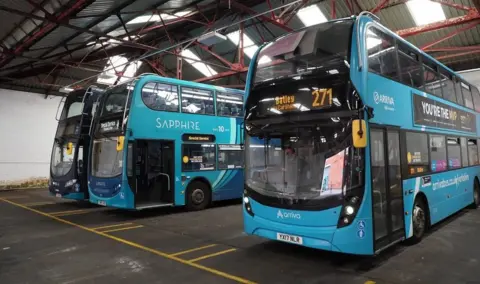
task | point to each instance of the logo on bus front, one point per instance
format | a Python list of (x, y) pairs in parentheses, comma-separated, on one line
[(288, 215), (387, 101)]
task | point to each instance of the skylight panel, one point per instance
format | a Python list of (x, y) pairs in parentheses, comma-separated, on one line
[(194, 60), (118, 63), (156, 18), (130, 71), (249, 47), (311, 15), (425, 11)]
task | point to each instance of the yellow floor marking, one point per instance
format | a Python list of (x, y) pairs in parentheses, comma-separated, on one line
[(122, 229), (139, 246), (192, 250), (16, 197), (212, 255), (69, 212), (370, 282), (112, 226), (38, 203)]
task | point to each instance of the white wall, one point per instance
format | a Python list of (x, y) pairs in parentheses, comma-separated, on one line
[(27, 129), (472, 76)]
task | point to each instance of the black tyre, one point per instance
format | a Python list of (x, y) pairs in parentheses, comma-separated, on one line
[(419, 219), (476, 195), (198, 196)]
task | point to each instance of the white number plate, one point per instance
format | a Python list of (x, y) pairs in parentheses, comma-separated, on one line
[(290, 238), (101, 202), (58, 195)]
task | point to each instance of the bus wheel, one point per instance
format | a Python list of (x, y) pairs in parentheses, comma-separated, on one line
[(476, 195), (198, 196), (419, 219)]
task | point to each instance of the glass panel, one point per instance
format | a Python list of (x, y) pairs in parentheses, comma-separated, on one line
[(61, 161), (198, 157), (438, 153), (80, 164), (454, 155), (417, 153), (467, 95), (130, 160), (472, 152), (411, 70), (382, 55), (197, 101), (448, 89), (106, 160), (160, 96), (229, 104), (463, 144), (432, 82), (458, 91), (230, 157), (476, 98), (378, 184), (395, 180)]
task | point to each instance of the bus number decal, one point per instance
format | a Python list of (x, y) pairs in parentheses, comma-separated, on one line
[(323, 93)]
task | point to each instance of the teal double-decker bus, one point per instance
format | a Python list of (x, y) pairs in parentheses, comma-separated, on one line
[(166, 142), (355, 139)]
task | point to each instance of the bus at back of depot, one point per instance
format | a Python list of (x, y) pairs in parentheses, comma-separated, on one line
[(166, 142), (357, 142)]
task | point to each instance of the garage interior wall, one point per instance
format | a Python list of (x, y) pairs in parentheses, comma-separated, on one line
[(28, 125)]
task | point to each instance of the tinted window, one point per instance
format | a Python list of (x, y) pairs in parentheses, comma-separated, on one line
[(448, 87), (438, 153), (417, 152), (382, 58), (467, 95), (432, 82), (454, 155), (472, 152), (463, 145), (410, 68), (198, 157), (476, 98), (458, 91), (197, 101), (130, 160), (230, 157), (229, 104), (160, 96)]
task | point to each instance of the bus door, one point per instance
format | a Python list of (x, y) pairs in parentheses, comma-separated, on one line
[(154, 173), (387, 194)]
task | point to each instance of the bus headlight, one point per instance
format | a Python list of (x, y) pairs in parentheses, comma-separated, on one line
[(349, 210), (247, 204), (70, 182)]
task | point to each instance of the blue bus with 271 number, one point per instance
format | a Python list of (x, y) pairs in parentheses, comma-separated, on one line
[(357, 142), (165, 142)]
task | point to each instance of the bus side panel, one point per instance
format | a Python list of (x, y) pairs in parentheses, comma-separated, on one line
[(446, 193)]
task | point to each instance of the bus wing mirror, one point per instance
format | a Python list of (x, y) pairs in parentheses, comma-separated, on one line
[(359, 133), (120, 141), (69, 148)]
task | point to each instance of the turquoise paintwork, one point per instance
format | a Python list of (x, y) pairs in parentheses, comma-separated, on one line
[(145, 123), (319, 228)]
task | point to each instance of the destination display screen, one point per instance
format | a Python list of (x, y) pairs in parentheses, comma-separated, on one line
[(198, 138), (428, 112), (110, 126), (304, 100)]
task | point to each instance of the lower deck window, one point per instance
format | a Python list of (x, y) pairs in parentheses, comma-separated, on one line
[(198, 157), (230, 157)]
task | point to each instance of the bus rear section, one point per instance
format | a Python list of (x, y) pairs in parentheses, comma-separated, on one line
[(150, 150), (304, 176), (68, 174)]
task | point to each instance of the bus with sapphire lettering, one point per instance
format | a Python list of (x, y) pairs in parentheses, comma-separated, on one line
[(357, 142), (68, 175), (167, 142)]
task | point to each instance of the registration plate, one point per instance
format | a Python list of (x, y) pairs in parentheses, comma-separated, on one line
[(58, 195), (101, 202), (290, 238)]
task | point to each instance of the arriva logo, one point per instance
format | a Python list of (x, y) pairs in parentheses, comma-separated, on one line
[(384, 99), (287, 215)]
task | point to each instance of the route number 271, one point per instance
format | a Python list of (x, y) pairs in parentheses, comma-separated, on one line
[(320, 96)]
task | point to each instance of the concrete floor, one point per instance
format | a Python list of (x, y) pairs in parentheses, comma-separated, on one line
[(48, 240)]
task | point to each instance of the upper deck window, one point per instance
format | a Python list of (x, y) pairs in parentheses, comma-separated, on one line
[(476, 98), (115, 101), (159, 96), (458, 91), (410, 67), (382, 57), (229, 104), (448, 87), (305, 52), (433, 84), (197, 101), (467, 95)]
